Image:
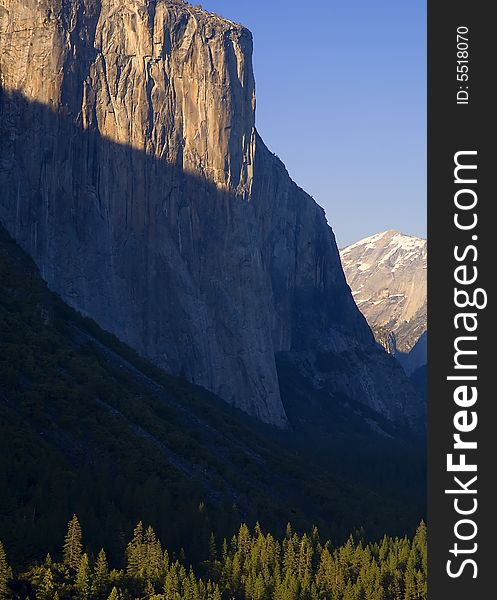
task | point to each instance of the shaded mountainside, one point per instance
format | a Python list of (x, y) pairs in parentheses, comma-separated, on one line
[(417, 357), (387, 275), (131, 171), (87, 426)]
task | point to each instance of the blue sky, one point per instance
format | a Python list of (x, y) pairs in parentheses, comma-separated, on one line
[(341, 98)]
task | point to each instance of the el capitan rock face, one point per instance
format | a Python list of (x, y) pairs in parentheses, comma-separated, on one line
[(132, 173)]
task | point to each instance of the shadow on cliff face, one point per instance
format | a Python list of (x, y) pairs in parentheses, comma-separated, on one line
[(195, 278), (201, 281), (211, 285), (164, 259)]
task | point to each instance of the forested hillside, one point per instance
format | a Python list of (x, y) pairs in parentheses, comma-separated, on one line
[(86, 426), (251, 565)]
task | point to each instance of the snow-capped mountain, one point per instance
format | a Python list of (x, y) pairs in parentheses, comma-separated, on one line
[(387, 275)]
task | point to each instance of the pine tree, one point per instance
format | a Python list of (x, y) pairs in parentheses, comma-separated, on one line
[(47, 586), (114, 595), (135, 552), (82, 583), (101, 574), (216, 595), (171, 582), (153, 557), (213, 566), (224, 551), (420, 543), (259, 589), (73, 547), (212, 549), (5, 574)]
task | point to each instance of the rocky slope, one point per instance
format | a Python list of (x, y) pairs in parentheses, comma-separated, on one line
[(87, 426), (132, 172), (387, 275)]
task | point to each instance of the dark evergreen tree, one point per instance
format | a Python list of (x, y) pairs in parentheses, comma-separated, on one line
[(5, 574), (114, 595), (83, 582), (153, 556), (135, 553), (46, 590), (101, 575), (73, 547)]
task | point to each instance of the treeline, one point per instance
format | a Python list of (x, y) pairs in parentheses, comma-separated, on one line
[(250, 566)]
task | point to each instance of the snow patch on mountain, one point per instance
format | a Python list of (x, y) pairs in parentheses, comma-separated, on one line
[(387, 275)]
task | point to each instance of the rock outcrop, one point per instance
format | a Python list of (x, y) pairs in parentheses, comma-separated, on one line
[(132, 172), (387, 275)]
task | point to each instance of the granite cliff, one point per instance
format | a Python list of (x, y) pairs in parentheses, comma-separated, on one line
[(132, 172), (387, 275)]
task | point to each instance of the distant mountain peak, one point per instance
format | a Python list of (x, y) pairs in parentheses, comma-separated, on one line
[(387, 275), (391, 237)]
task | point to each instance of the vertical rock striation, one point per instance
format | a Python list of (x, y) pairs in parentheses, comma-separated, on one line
[(132, 172)]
